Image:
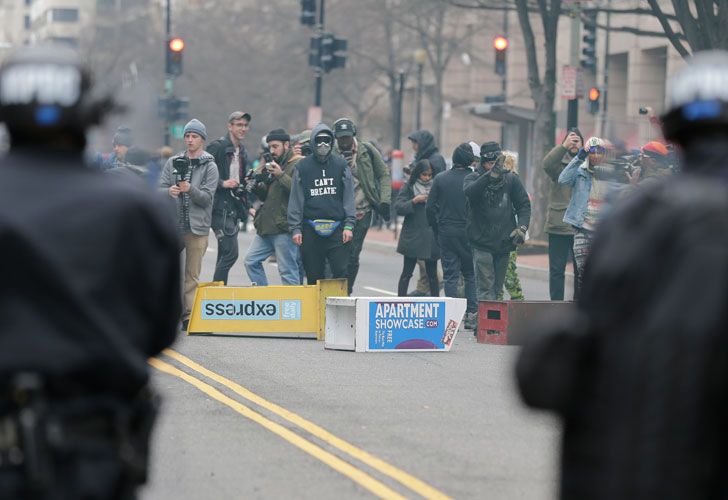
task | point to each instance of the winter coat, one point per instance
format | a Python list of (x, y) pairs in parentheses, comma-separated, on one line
[(427, 150), (92, 276), (489, 227), (340, 206), (639, 372), (559, 194), (446, 203), (373, 174), (222, 150), (202, 191), (272, 217), (417, 239)]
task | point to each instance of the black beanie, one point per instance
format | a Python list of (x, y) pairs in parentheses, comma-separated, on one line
[(277, 135), (463, 155), (490, 150)]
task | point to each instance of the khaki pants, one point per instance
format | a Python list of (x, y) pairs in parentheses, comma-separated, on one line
[(195, 248), (423, 286)]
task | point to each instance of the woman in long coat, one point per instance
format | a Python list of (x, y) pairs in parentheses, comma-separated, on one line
[(417, 240)]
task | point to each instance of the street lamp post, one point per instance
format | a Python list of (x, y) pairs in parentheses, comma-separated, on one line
[(398, 121), (420, 60)]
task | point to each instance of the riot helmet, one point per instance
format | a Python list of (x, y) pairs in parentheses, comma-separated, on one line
[(45, 91), (698, 98)]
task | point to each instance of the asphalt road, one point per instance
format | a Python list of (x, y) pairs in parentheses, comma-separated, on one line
[(248, 417)]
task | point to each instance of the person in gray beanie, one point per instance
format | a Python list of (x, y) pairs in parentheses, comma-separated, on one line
[(190, 178)]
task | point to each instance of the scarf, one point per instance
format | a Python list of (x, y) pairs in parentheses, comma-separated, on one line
[(420, 187)]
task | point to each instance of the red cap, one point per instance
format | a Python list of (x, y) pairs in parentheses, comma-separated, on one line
[(656, 148)]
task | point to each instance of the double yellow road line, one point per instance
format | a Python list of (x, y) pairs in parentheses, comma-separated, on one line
[(355, 474)]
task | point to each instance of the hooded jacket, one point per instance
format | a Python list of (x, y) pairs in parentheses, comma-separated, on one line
[(427, 150), (202, 191), (489, 227), (321, 189)]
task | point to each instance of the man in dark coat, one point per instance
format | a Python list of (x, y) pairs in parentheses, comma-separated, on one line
[(321, 208), (91, 291), (499, 213), (230, 205), (447, 212), (639, 372)]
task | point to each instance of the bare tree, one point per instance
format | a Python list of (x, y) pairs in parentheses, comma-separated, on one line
[(702, 24)]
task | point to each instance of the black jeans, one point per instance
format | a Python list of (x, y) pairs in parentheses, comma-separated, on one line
[(457, 259), (227, 255), (316, 250), (357, 242), (409, 267), (560, 250)]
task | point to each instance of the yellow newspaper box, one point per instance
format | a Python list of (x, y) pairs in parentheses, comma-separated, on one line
[(264, 310)]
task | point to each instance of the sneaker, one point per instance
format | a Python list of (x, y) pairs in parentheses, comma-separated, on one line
[(471, 321), (185, 325)]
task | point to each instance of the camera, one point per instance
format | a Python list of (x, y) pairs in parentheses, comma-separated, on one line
[(267, 157), (643, 110), (180, 168)]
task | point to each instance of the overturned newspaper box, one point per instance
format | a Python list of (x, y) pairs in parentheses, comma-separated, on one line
[(399, 324)]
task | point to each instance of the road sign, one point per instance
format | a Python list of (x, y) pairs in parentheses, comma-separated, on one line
[(176, 130), (572, 83)]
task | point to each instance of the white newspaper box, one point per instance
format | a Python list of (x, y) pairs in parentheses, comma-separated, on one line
[(392, 324)]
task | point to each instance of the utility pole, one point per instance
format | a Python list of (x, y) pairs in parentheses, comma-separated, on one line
[(168, 81), (603, 123), (400, 96), (572, 114), (319, 69)]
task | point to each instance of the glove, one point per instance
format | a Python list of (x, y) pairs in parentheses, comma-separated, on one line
[(518, 235), (385, 211), (582, 154)]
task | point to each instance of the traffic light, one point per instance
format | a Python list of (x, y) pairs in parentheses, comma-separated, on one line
[(175, 47), (329, 46), (594, 95), (589, 49), (172, 109), (500, 44), (308, 12), (314, 53)]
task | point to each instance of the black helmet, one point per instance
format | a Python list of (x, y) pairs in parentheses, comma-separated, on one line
[(698, 97), (47, 89)]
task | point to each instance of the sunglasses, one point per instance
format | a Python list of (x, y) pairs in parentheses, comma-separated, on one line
[(597, 150)]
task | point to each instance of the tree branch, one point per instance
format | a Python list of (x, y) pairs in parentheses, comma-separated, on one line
[(534, 80), (674, 40)]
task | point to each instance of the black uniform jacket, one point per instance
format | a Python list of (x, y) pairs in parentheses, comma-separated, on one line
[(90, 278)]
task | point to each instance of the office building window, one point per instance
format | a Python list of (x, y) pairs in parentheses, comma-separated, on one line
[(105, 4), (65, 40), (28, 2), (65, 15), (26, 22)]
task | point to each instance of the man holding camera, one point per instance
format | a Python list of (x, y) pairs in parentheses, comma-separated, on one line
[(272, 185), (499, 213), (191, 179), (561, 234), (372, 187), (231, 202)]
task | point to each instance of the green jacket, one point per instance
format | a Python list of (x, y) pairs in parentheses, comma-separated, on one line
[(272, 217), (559, 194), (374, 178)]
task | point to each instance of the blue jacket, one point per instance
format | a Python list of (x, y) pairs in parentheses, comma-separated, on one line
[(580, 181)]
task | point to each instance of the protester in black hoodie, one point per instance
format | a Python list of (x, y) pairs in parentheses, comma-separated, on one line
[(423, 144), (321, 209), (447, 213), (495, 199)]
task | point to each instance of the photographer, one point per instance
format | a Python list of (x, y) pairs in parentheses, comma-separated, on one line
[(561, 234), (271, 183), (190, 178), (231, 201), (499, 213), (372, 186)]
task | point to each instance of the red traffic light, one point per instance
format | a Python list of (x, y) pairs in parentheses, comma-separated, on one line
[(500, 43), (594, 94), (176, 44)]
